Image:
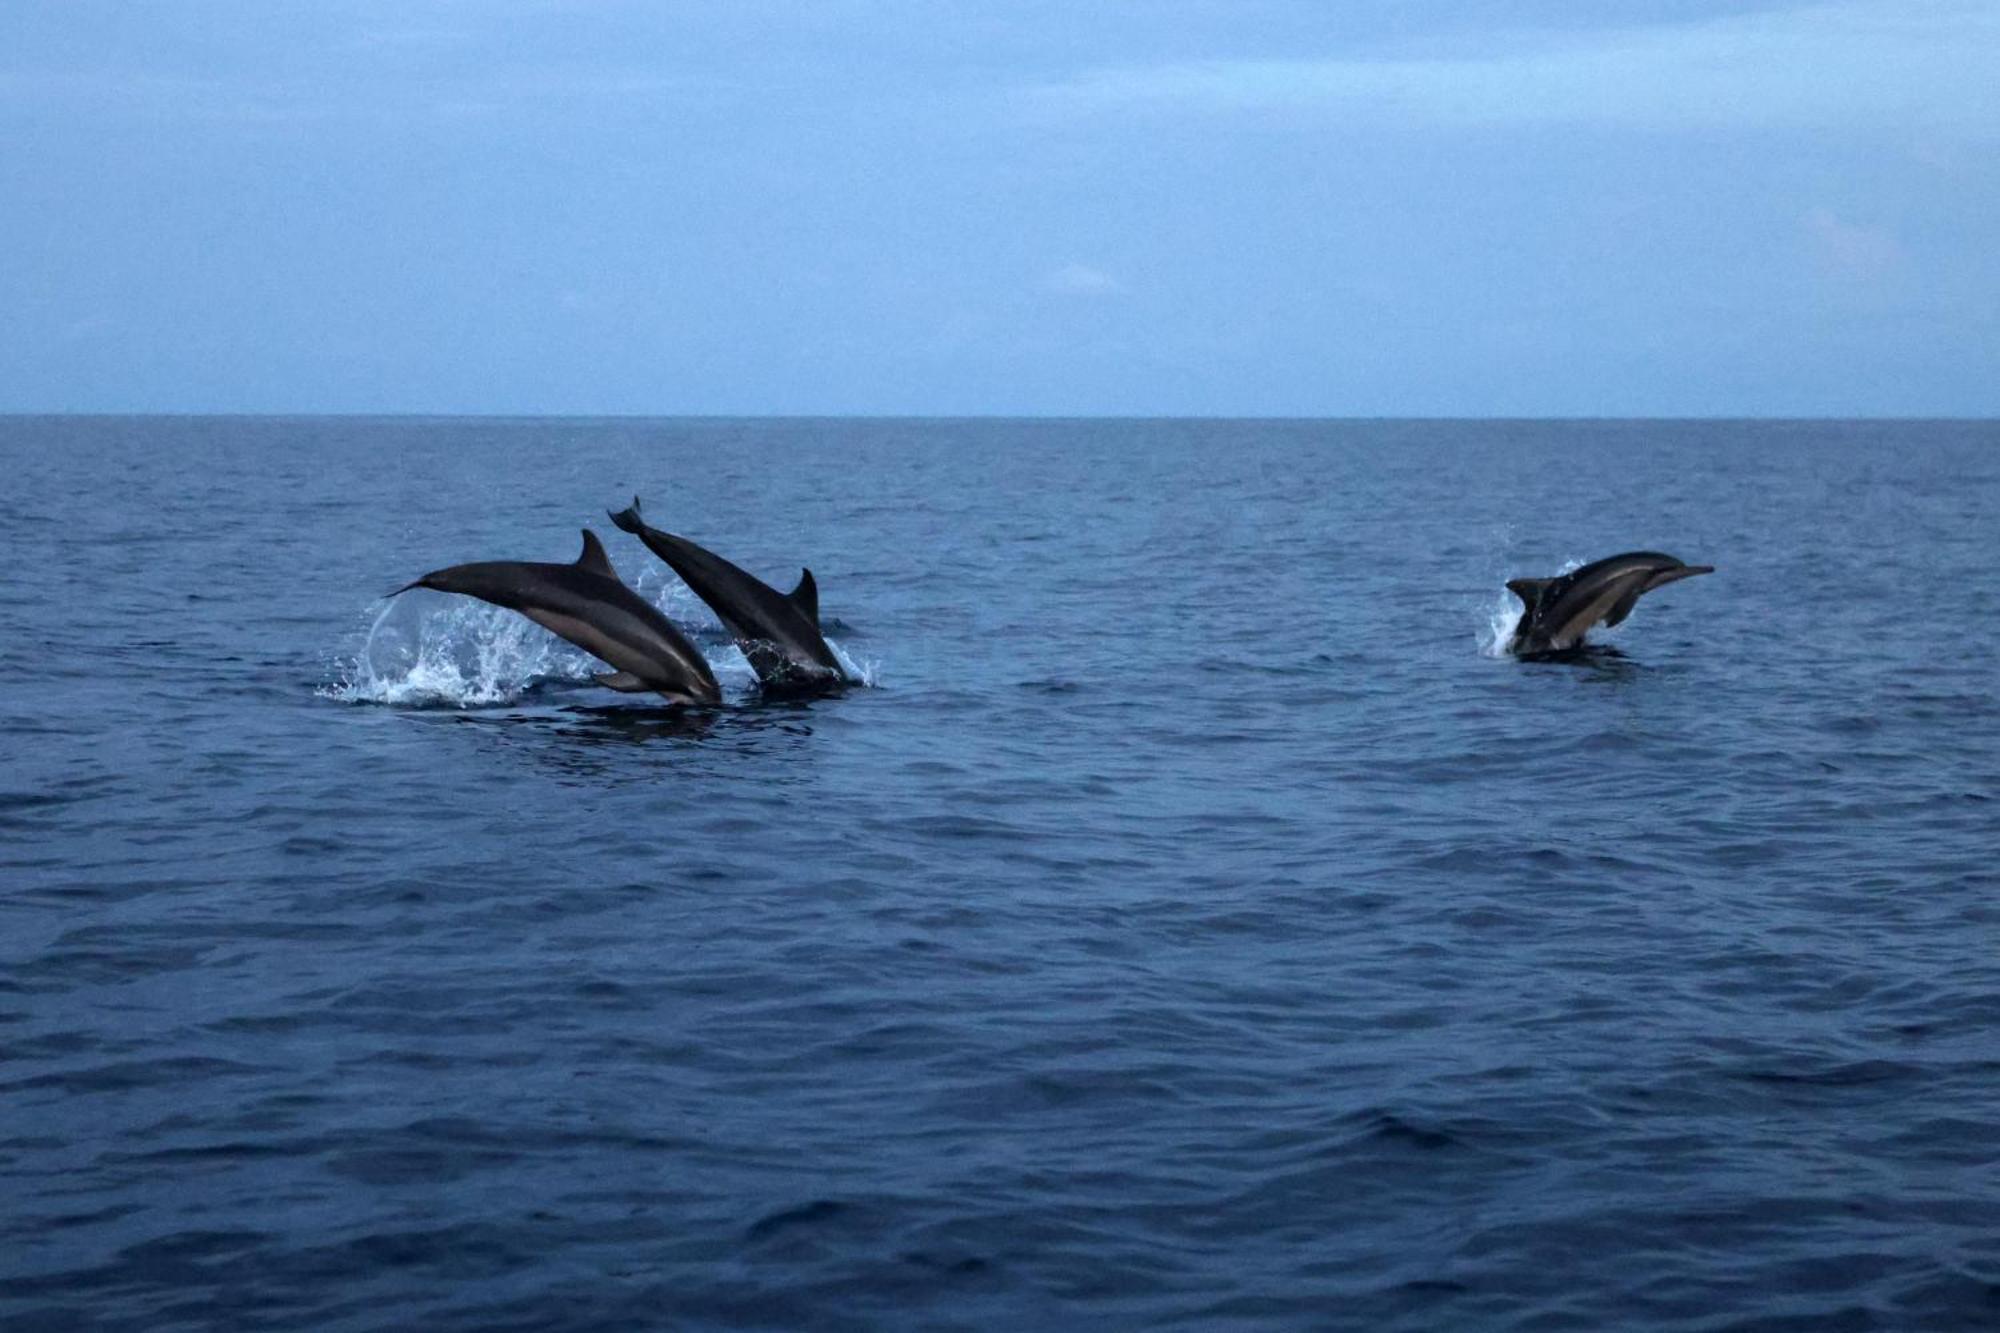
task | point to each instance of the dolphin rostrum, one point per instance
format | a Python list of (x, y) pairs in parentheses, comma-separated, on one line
[(778, 632), (588, 605), (1561, 610)]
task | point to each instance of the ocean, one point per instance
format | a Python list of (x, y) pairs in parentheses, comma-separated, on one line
[(1194, 920)]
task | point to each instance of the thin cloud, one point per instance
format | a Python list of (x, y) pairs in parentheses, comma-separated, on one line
[(1080, 280), (1923, 65), (1851, 250), (371, 97)]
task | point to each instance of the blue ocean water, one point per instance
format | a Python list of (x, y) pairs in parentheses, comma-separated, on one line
[(1194, 923)]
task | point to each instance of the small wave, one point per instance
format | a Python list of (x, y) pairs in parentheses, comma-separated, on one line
[(819, 1210)]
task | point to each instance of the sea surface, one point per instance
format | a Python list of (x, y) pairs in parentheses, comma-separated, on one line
[(1194, 921)]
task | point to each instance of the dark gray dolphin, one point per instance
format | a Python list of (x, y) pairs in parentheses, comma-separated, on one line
[(1561, 610), (586, 604), (778, 632)]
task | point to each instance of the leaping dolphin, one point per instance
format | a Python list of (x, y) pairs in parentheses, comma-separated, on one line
[(1561, 610), (588, 605), (778, 632)]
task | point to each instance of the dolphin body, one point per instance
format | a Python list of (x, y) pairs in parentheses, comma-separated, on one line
[(588, 605), (778, 632), (1561, 610)]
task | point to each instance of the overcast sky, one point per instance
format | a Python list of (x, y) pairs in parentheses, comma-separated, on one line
[(1211, 207)]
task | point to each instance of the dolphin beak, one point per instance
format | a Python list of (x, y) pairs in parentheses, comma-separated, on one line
[(414, 583), (1666, 576)]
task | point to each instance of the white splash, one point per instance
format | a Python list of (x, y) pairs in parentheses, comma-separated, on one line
[(865, 672), (427, 649), (1501, 618)]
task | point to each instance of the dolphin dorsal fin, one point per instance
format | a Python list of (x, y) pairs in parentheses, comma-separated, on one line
[(593, 559), (1528, 590), (806, 596)]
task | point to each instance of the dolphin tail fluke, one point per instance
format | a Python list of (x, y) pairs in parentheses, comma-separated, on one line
[(1528, 590), (628, 520)]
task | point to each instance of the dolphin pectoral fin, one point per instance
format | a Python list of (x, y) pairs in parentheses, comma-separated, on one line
[(1575, 621), (628, 520), (806, 596), (1623, 607), (622, 681), (593, 558)]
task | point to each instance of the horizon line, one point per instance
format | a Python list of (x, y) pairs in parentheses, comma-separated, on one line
[(225, 415)]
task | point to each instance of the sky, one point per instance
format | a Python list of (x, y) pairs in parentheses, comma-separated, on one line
[(1014, 207)]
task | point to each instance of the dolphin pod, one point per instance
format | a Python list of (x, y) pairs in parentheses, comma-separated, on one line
[(587, 604), (1558, 612)]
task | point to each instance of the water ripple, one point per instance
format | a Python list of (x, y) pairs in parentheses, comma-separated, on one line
[(1205, 926)]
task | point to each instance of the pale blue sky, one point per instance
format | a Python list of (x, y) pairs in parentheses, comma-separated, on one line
[(1217, 207)]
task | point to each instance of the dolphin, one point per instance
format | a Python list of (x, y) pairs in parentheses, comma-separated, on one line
[(778, 632), (588, 605), (1561, 610)]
